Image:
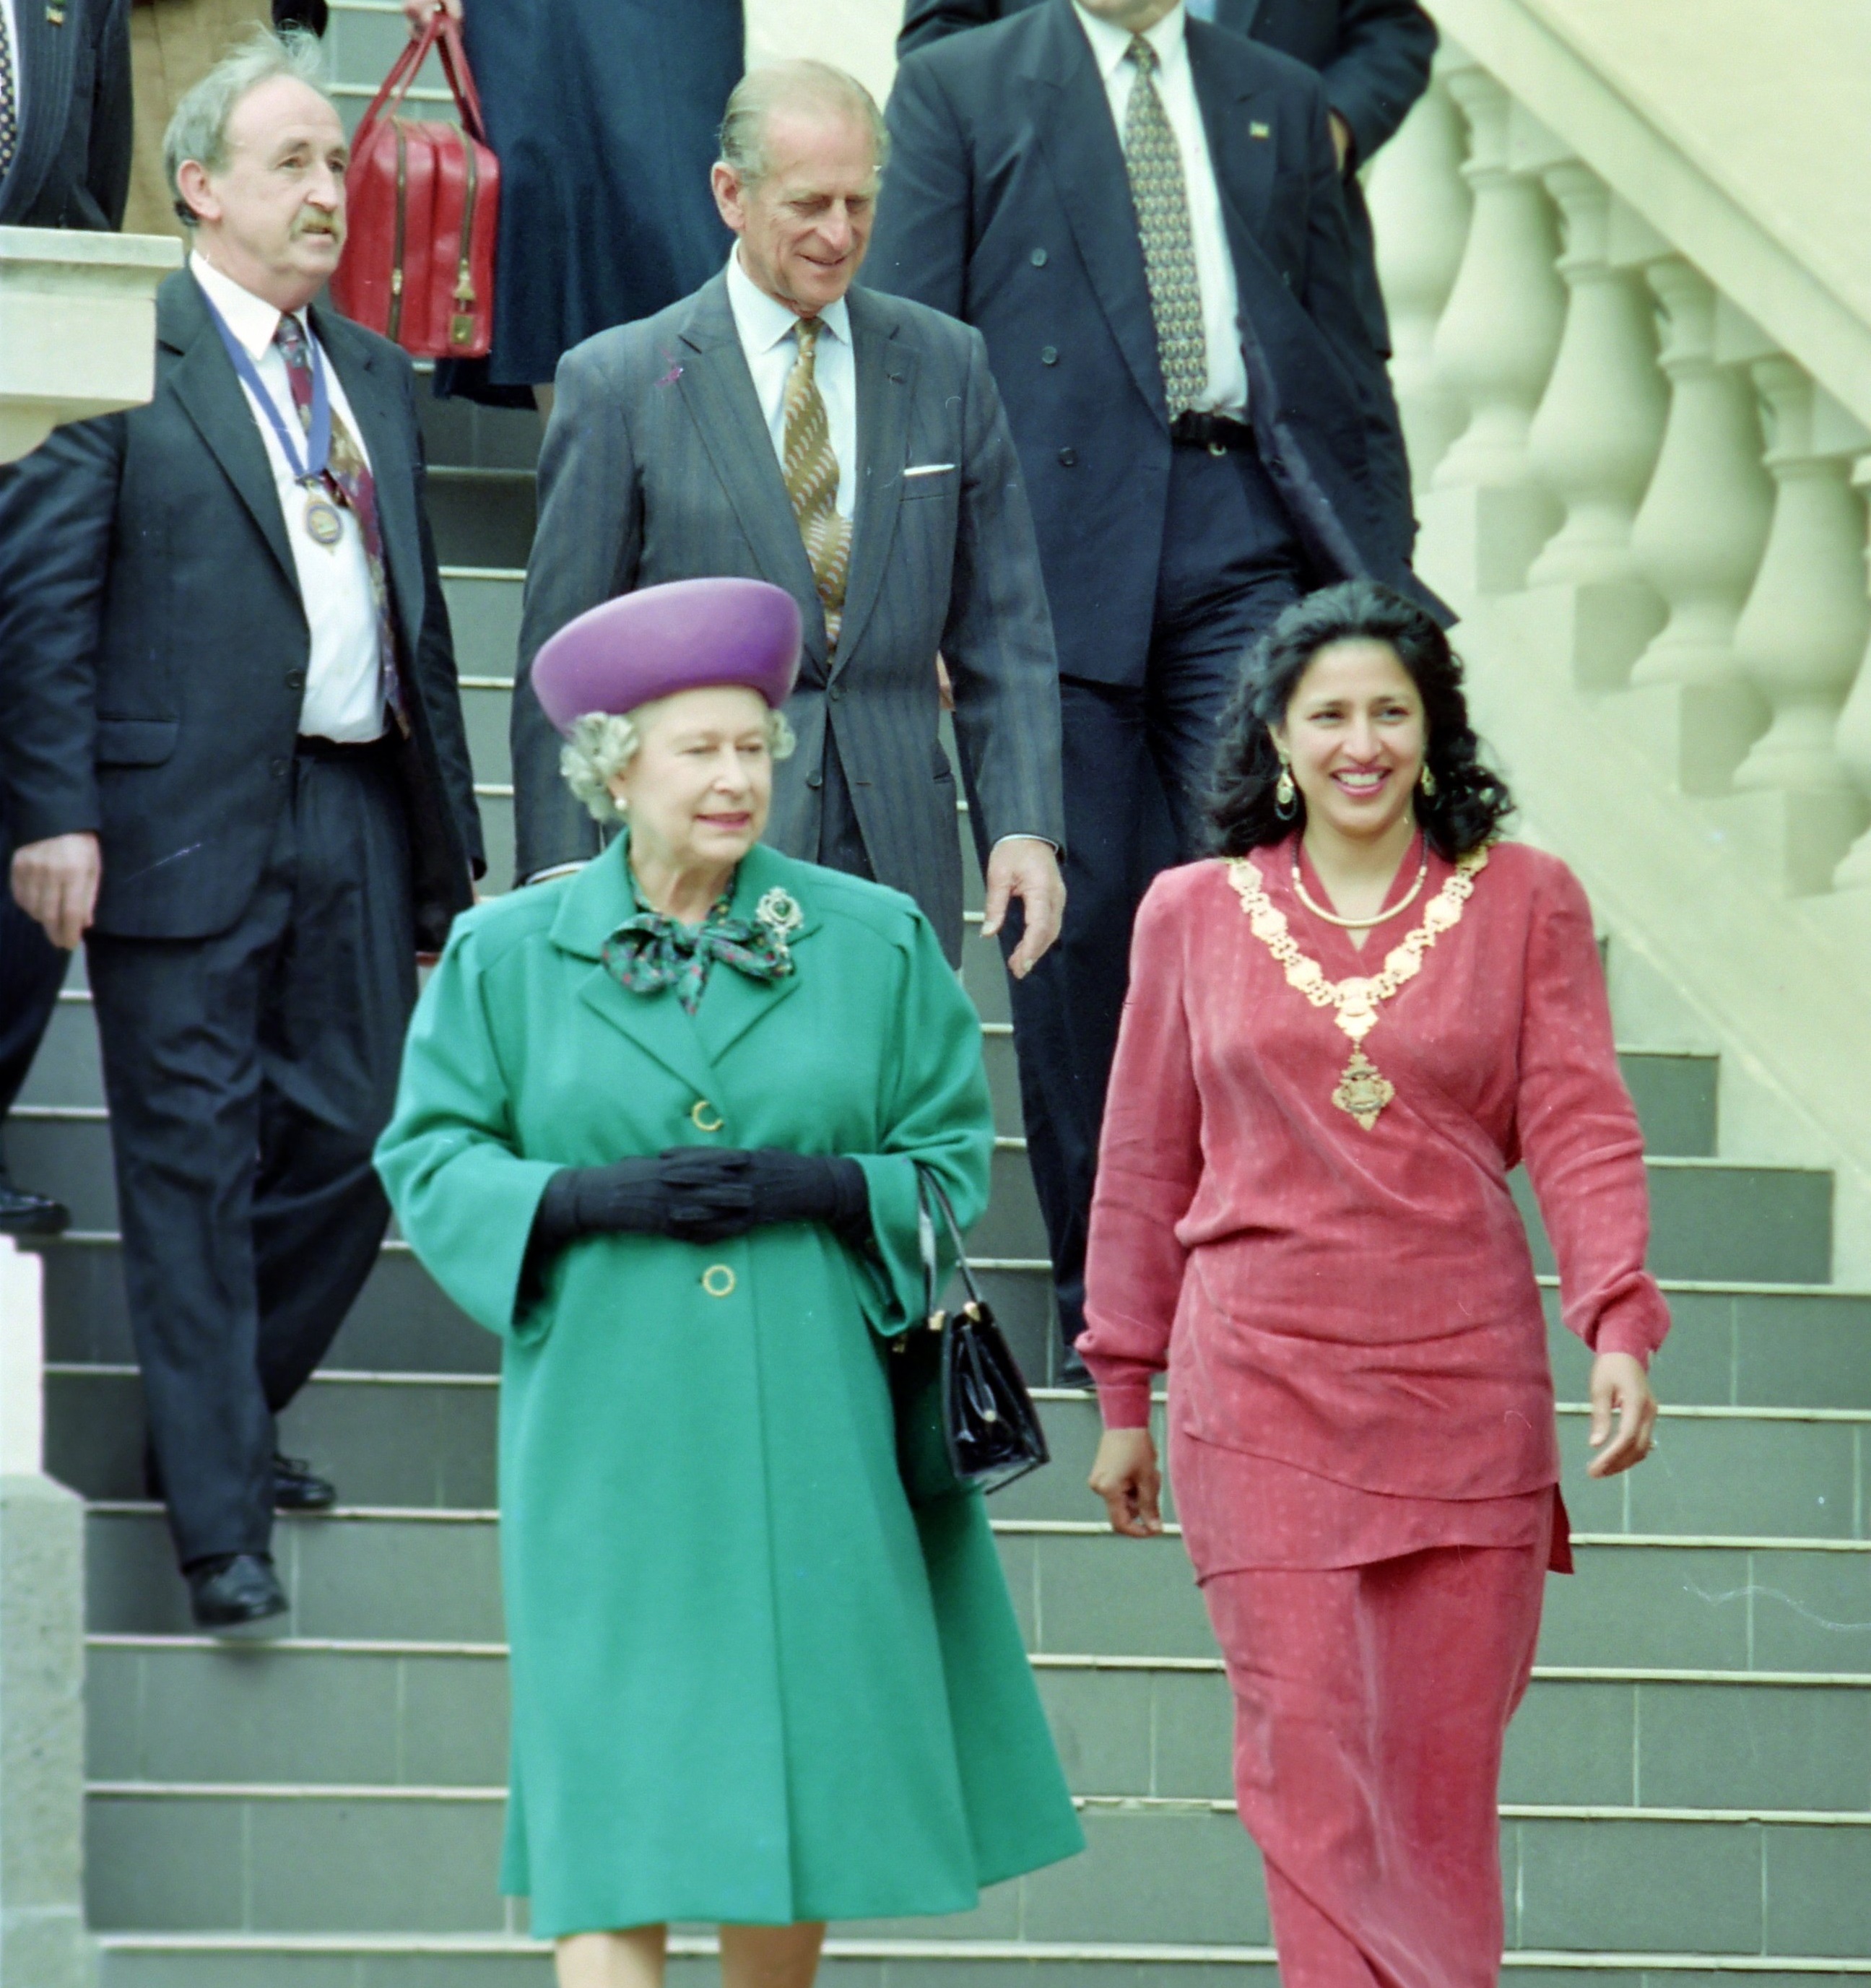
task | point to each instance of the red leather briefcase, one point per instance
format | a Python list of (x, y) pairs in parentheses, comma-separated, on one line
[(423, 201)]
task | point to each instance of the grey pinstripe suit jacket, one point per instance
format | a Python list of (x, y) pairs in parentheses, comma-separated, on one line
[(657, 465)]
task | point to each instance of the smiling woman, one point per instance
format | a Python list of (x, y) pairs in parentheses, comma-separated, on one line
[(1304, 1172)]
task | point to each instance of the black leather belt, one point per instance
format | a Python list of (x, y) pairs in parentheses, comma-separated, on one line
[(310, 746), (1216, 433)]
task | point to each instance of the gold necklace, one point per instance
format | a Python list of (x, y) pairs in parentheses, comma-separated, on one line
[(1363, 1089), (1377, 917)]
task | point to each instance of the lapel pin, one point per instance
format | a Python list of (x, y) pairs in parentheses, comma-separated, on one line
[(55, 17), (1257, 129)]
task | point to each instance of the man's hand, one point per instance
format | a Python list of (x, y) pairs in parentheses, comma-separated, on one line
[(1620, 1391), (1027, 867), (422, 13), (1125, 1475), (1341, 131), (55, 881)]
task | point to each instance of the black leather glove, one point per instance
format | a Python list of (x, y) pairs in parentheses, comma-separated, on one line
[(696, 1194), (811, 1186)]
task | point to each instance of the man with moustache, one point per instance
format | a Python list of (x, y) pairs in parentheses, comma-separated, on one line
[(1142, 215), (237, 768), (781, 424)]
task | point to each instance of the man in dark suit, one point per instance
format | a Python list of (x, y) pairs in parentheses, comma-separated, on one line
[(236, 760), (1143, 216), (64, 135), (781, 425), (1373, 55)]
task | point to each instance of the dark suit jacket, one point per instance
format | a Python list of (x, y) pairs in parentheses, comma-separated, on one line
[(1374, 55), (154, 644), (658, 465), (1006, 203), (72, 168)]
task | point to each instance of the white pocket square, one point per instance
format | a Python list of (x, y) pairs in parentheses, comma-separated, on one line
[(927, 469)]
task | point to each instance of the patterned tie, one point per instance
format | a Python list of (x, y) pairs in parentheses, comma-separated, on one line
[(812, 480), (348, 477), (1162, 200), (9, 101)]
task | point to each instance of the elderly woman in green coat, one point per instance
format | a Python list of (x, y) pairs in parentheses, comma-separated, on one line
[(659, 1128)]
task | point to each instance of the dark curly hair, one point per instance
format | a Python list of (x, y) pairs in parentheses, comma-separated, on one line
[(1470, 802)]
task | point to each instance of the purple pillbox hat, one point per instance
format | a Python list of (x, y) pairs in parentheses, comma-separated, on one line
[(689, 634)]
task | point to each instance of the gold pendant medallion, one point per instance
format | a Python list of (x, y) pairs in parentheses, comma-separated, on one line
[(1363, 1089)]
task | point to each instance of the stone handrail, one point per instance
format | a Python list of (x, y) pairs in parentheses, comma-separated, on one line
[(1633, 326)]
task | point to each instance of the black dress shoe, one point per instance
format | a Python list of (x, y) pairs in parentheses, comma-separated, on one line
[(233, 1590), (297, 1489), (24, 1214)]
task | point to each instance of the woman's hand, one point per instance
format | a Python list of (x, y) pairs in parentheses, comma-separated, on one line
[(1620, 1392), (1125, 1475), (421, 12)]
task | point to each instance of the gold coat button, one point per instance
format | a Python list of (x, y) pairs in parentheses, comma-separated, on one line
[(705, 1117), (718, 1280)]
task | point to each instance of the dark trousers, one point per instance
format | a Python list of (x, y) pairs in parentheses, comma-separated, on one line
[(31, 970), (1138, 758), (248, 1076)]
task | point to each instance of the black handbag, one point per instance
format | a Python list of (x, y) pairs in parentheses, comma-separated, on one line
[(964, 1420)]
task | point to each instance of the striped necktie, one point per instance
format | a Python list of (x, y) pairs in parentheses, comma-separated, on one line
[(9, 101), (348, 477), (812, 480), (1154, 163)]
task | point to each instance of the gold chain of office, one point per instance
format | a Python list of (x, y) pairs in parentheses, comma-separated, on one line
[(1363, 1089)]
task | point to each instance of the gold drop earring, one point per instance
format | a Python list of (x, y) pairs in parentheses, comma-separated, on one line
[(1286, 795), (1426, 781)]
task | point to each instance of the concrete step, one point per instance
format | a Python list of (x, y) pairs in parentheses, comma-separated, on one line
[(1719, 1220), (425, 1442), (1703, 1602), (174, 1858), (193, 1711)]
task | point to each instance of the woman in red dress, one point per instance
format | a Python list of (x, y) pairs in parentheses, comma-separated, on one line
[(1341, 1035)]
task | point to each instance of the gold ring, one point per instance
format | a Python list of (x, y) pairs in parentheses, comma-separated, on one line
[(712, 1122), (718, 1280)]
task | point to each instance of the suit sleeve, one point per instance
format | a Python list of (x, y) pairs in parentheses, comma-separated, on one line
[(107, 174), (926, 21), (938, 1116), (921, 245), (1578, 1133), (1149, 1166), (58, 511), (463, 1194), (585, 551), (1381, 68), (998, 639), (441, 695)]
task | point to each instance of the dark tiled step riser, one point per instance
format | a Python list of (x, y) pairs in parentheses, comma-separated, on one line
[(433, 1446), (1648, 1606), (191, 1716), (1190, 1877), (1713, 1222)]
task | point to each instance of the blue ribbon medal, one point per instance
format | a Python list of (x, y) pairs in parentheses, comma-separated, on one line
[(322, 521)]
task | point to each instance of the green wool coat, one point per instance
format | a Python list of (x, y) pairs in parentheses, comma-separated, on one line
[(749, 1684)]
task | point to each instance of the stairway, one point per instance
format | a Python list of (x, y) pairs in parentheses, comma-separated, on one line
[(1688, 1787)]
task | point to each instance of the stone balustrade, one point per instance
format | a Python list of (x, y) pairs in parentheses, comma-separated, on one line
[(1594, 423)]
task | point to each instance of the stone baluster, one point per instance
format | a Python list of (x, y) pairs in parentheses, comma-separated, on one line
[(1419, 209), (1595, 440), (1853, 739), (1802, 635), (1487, 514)]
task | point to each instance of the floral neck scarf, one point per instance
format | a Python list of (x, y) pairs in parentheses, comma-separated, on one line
[(651, 950)]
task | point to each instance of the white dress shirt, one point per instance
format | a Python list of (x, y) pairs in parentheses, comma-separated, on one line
[(766, 326), (1226, 391), (344, 688)]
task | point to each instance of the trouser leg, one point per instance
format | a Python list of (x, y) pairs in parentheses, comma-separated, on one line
[(342, 983), (179, 1024), (1371, 1704), (32, 968), (842, 844)]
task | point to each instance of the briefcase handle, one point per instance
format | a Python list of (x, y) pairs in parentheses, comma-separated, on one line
[(443, 34)]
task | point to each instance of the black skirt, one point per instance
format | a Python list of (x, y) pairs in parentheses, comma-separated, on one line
[(604, 118)]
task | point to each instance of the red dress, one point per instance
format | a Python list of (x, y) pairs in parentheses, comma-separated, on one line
[(1360, 1402)]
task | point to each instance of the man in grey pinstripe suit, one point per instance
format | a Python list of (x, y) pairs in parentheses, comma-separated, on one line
[(849, 448)]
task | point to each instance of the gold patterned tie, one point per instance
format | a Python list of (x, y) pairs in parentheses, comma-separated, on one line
[(1155, 164), (812, 480)]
